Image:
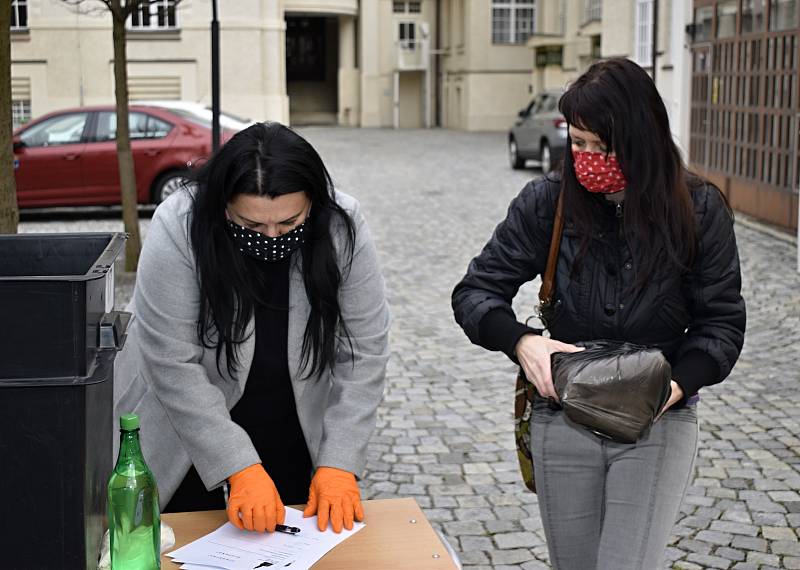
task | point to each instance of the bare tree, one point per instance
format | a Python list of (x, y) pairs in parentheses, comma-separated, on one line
[(120, 11), (9, 214)]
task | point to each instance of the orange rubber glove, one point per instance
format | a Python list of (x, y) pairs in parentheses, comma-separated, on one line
[(254, 495), (334, 496)]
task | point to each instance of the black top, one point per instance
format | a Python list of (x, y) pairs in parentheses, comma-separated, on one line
[(267, 409), (697, 317)]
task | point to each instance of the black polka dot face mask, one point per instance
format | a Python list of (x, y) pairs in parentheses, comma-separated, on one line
[(265, 248)]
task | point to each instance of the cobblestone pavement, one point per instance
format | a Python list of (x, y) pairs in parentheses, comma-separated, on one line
[(444, 432)]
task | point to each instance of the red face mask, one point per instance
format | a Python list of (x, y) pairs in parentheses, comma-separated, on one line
[(598, 174)]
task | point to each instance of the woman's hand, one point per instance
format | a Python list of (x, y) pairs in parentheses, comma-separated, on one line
[(254, 495), (334, 496), (675, 396), (533, 352)]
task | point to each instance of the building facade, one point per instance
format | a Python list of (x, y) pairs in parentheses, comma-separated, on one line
[(372, 63), (571, 34), (745, 112)]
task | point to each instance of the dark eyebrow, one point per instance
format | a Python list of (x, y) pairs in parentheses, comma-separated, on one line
[(255, 223)]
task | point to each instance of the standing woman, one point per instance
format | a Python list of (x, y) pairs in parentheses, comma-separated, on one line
[(648, 256), (258, 349)]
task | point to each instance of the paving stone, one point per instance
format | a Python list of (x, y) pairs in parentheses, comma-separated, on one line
[(762, 558), (515, 540), (471, 543), (735, 528), (714, 537), (778, 533), (747, 543), (730, 553), (510, 556), (706, 561), (785, 547)]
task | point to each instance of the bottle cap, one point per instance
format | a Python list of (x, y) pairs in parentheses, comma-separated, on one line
[(129, 422)]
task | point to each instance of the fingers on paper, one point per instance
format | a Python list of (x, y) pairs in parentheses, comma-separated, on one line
[(233, 515), (337, 516), (311, 506), (323, 514), (347, 512)]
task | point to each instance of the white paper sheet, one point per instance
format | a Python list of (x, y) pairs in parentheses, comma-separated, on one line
[(229, 548)]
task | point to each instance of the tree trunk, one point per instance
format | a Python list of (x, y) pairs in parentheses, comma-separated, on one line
[(9, 214), (127, 174)]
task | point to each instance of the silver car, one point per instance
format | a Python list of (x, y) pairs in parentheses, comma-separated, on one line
[(540, 133)]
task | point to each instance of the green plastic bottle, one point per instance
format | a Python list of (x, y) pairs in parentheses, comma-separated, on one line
[(134, 523)]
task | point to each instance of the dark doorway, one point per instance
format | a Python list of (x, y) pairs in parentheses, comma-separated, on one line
[(312, 66)]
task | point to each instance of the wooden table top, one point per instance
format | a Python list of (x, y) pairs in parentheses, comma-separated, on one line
[(390, 540)]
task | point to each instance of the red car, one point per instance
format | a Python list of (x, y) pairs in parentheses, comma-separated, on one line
[(69, 158)]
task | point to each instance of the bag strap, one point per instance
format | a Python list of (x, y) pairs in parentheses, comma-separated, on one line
[(548, 279)]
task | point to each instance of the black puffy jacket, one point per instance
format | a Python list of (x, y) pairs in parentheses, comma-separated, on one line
[(696, 318)]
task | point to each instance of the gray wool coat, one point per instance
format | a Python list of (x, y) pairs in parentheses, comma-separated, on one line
[(171, 381)]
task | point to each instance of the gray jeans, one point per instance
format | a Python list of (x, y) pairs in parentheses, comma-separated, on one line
[(606, 505)]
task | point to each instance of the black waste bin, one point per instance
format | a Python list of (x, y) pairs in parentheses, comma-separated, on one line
[(59, 335)]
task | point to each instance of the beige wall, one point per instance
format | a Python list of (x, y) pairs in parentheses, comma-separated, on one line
[(484, 85), (349, 7), (68, 59), (76, 53), (618, 39)]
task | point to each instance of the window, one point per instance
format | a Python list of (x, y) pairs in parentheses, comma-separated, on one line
[(549, 55), (513, 21), (20, 112), (407, 34), (783, 15), (726, 18), (20, 101), (752, 16), (596, 51), (407, 7), (643, 33), (142, 126), (19, 14), (154, 15), (592, 10), (63, 129), (702, 23)]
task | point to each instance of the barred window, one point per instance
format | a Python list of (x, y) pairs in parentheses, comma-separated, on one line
[(154, 15), (752, 16), (20, 112), (782, 15), (726, 18), (19, 14), (592, 10), (513, 21), (406, 7)]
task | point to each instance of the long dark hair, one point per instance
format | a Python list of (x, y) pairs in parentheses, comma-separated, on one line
[(266, 159), (618, 101)]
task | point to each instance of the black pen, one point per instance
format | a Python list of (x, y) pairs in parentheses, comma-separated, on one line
[(286, 529)]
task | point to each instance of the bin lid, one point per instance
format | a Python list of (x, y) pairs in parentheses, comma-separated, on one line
[(54, 257)]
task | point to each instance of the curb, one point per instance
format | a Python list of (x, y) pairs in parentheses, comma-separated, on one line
[(772, 231)]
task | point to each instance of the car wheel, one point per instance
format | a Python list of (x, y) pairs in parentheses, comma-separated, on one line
[(517, 162), (547, 158), (168, 184)]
